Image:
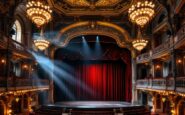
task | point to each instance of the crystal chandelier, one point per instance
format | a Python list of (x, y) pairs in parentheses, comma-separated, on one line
[(141, 12), (41, 43), (139, 43), (38, 12)]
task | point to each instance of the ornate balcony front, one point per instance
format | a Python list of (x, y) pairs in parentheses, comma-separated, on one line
[(17, 48), (163, 84), (20, 84), (145, 57), (165, 48)]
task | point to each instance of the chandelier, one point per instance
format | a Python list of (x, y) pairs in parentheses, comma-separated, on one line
[(38, 12), (139, 43), (41, 43), (141, 12)]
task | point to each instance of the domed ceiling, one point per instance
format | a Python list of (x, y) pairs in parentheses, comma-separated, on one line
[(90, 7)]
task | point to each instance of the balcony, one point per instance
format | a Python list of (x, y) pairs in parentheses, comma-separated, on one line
[(22, 84), (179, 39), (164, 49), (17, 48), (163, 84), (160, 84), (145, 57)]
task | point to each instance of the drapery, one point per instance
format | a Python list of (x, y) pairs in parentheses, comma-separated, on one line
[(94, 81)]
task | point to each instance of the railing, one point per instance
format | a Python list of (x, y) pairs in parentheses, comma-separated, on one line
[(158, 84), (180, 84), (170, 84), (20, 83), (143, 57), (180, 35), (14, 46), (176, 42), (163, 47)]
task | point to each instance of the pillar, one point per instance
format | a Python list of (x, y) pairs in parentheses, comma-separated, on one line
[(51, 83), (134, 75)]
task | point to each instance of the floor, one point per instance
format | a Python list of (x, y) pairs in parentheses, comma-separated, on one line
[(93, 104)]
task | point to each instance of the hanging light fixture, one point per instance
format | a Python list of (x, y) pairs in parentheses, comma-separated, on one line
[(141, 12), (41, 43), (38, 12), (139, 43)]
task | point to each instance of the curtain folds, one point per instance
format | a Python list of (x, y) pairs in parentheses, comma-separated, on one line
[(95, 81)]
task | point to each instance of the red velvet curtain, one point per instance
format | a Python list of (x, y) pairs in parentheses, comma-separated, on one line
[(104, 81)]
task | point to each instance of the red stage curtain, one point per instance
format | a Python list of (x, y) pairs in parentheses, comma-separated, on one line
[(103, 81)]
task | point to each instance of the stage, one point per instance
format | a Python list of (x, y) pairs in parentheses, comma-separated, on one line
[(92, 108), (93, 104)]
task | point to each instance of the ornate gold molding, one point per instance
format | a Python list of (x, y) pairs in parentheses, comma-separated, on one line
[(120, 35)]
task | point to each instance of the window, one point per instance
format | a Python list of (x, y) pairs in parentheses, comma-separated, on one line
[(18, 31)]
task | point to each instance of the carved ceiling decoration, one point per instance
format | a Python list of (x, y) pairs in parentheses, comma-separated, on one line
[(116, 32), (97, 3), (90, 7)]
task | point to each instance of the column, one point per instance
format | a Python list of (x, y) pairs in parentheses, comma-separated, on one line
[(51, 84), (134, 75)]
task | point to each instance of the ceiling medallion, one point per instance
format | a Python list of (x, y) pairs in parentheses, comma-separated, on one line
[(41, 43), (142, 12), (38, 12), (139, 43)]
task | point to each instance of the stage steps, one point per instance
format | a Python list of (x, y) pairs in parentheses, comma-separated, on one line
[(52, 110)]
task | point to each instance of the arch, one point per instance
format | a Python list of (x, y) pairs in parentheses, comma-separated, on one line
[(25, 24), (25, 101), (18, 31), (2, 107), (120, 35), (179, 104)]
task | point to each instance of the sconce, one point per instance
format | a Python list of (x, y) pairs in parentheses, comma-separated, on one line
[(179, 61), (158, 66), (3, 61), (25, 66), (163, 99), (17, 99)]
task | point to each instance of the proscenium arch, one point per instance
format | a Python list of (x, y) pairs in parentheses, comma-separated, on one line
[(120, 35)]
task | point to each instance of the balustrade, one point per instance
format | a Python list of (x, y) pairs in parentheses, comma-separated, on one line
[(169, 84), (20, 83), (165, 47)]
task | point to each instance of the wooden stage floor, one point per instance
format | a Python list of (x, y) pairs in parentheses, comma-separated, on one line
[(93, 104)]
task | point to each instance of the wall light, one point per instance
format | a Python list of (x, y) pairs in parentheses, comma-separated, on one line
[(179, 61), (158, 66), (3, 61)]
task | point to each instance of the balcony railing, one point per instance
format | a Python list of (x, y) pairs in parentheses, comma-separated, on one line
[(22, 84), (158, 84), (180, 84), (143, 57), (14, 46), (180, 37), (164, 48)]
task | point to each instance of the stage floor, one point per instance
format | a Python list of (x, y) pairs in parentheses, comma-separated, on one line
[(93, 104)]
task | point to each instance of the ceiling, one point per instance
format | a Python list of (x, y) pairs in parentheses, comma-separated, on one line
[(90, 7)]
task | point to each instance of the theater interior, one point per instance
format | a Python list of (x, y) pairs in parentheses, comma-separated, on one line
[(92, 57)]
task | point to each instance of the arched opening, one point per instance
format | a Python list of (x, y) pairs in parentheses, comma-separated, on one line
[(166, 105), (181, 108), (17, 35), (94, 68), (25, 101), (161, 18), (2, 108), (16, 105), (158, 102)]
